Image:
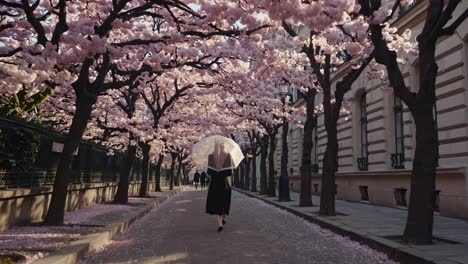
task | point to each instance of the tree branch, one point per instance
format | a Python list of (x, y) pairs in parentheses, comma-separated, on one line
[(61, 25), (11, 53), (41, 34), (449, 30), (288, 28), (140, 42)]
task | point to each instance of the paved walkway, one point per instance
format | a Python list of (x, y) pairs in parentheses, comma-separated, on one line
[(180, 232), (377, 222)]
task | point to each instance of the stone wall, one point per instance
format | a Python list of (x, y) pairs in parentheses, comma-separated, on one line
[(453, 199), (23, 206)]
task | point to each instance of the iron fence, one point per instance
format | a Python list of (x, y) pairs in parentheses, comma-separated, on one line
[(29, 156)]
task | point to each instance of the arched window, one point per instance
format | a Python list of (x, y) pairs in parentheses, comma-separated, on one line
[(398, 158), (363, 160)]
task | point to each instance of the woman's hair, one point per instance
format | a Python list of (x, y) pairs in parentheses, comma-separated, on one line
[(219, 156)]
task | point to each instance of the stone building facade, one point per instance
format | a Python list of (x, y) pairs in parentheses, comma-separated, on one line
[(377, 139)]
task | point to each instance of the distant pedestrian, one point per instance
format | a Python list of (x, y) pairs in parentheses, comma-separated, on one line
[(203, 180), (196, 179)]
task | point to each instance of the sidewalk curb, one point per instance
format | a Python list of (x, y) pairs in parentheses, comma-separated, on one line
[(395, 251), (74, 251)]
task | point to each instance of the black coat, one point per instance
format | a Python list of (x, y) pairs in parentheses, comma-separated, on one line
[(203, 177), (218, 201), (196, 177)]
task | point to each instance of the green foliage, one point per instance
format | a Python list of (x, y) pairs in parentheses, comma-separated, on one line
[(11, 258), (19, 149), (6, 159), (21, 103)]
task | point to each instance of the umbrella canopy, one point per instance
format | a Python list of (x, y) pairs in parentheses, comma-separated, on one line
[(217, 153)]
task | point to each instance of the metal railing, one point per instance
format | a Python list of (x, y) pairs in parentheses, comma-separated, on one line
[(29, 158), (34, 179), (363, 163), (398, 160)]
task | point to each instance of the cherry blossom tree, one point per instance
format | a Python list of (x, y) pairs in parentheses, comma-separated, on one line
[(262, 104), (85, 47), (442, 19)]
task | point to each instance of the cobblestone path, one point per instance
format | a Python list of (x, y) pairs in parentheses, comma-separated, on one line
[(180, 232)]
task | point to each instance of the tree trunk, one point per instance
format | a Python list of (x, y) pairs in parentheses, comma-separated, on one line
[(328, 188), (263, 166), (253, 171), (56, 211), (420, 220), (236, 177), (186, 176), (271, 166), (158, 173), (242, 175), (171, 180), (179, 173), (247, 174), (145, 148), (121, 197), (306, 168), (283, 192)]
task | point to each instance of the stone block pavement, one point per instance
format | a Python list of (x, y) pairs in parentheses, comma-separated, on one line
[(99, 226), (373, 223), (179, 231)]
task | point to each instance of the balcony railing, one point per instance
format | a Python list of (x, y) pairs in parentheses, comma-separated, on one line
[(363, 163), (398, 160)]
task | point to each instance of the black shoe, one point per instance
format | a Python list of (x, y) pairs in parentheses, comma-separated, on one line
[(224, 222), (220, 228)]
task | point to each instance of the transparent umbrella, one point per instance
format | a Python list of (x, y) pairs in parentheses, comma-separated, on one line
[(217, 152)]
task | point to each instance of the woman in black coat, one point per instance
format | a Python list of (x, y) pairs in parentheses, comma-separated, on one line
[(218, 201)]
